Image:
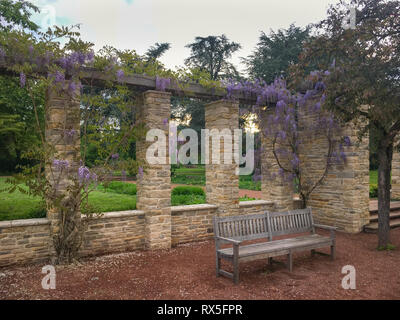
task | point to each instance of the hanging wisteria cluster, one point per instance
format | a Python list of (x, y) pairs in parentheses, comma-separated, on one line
[(289, 119)]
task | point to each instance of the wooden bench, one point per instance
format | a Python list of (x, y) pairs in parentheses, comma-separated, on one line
[(237, 229)]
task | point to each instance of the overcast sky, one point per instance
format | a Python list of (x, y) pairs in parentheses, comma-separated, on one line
[(138, 24)]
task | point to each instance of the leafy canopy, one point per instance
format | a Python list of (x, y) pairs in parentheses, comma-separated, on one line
[(211, 54), (275, 52)]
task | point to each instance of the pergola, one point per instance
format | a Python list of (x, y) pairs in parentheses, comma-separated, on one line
[(342, 201)]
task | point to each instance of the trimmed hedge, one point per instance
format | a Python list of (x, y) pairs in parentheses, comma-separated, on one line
[(187, 190)]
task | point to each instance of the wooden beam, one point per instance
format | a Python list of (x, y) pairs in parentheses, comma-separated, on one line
[(91, 76)]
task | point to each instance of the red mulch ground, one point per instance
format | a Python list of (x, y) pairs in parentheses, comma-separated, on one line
[(187, 272)]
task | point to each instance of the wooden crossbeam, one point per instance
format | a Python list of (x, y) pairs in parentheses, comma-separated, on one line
[(91, 76)]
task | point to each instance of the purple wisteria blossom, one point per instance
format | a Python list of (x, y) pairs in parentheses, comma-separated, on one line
[(86, 177), (347, 141), (58, 77), (61, 164), (22, 80), (162, 83), (140, 173), (120, 75), (90, 56), (73, 87), (70, 133), (290, 120)]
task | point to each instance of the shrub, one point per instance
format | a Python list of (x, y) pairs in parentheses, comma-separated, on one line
[(373, 191), (246, 198), (188, 190), (186, 199)]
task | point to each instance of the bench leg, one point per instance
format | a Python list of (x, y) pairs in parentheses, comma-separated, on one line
[(333, 252), (290, 262), (236, 264), (218, 264), (270, 261), (236, 272)]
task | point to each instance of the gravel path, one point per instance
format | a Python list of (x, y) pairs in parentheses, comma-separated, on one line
[(187, 272)]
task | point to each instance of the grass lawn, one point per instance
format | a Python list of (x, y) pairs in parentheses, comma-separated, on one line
[(197, 176), (110, 201), (117, 196), (17, 205)]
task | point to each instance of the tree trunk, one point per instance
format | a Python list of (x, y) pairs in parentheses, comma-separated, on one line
[(385, 154)]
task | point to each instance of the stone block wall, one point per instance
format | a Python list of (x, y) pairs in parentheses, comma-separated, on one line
[(343, 198), (30, 241), (195, 222), (24, 241), (396, 175), (114, 232), (192, 223), (256, 207), (274, 188)]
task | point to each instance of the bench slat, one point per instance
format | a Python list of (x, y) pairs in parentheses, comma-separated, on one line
[(279, 245)]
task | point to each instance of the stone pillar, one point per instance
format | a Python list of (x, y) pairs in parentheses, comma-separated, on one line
[(154, 186), (343, 198), (396, 175), (62, 133), (222, 179), (274, 187)]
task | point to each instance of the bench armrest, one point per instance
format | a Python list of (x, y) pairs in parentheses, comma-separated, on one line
[(329, 228), (321, 226), (235, 242)]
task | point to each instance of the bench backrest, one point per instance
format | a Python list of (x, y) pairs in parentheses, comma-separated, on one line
[(266, 225), (241, 228), (296, 221)]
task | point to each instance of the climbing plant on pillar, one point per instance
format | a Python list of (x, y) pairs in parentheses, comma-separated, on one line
[(290, 120), (77, 114), (363, 88)]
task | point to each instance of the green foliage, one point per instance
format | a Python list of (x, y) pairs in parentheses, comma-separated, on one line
[(363, 81), (185, 190), (388, 247), (246, 198), (247, 183), (373, 191), (211, 54), (156, 51), (275, 52), (17, 134), (192, 176), (17, 13), (187, 199)]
